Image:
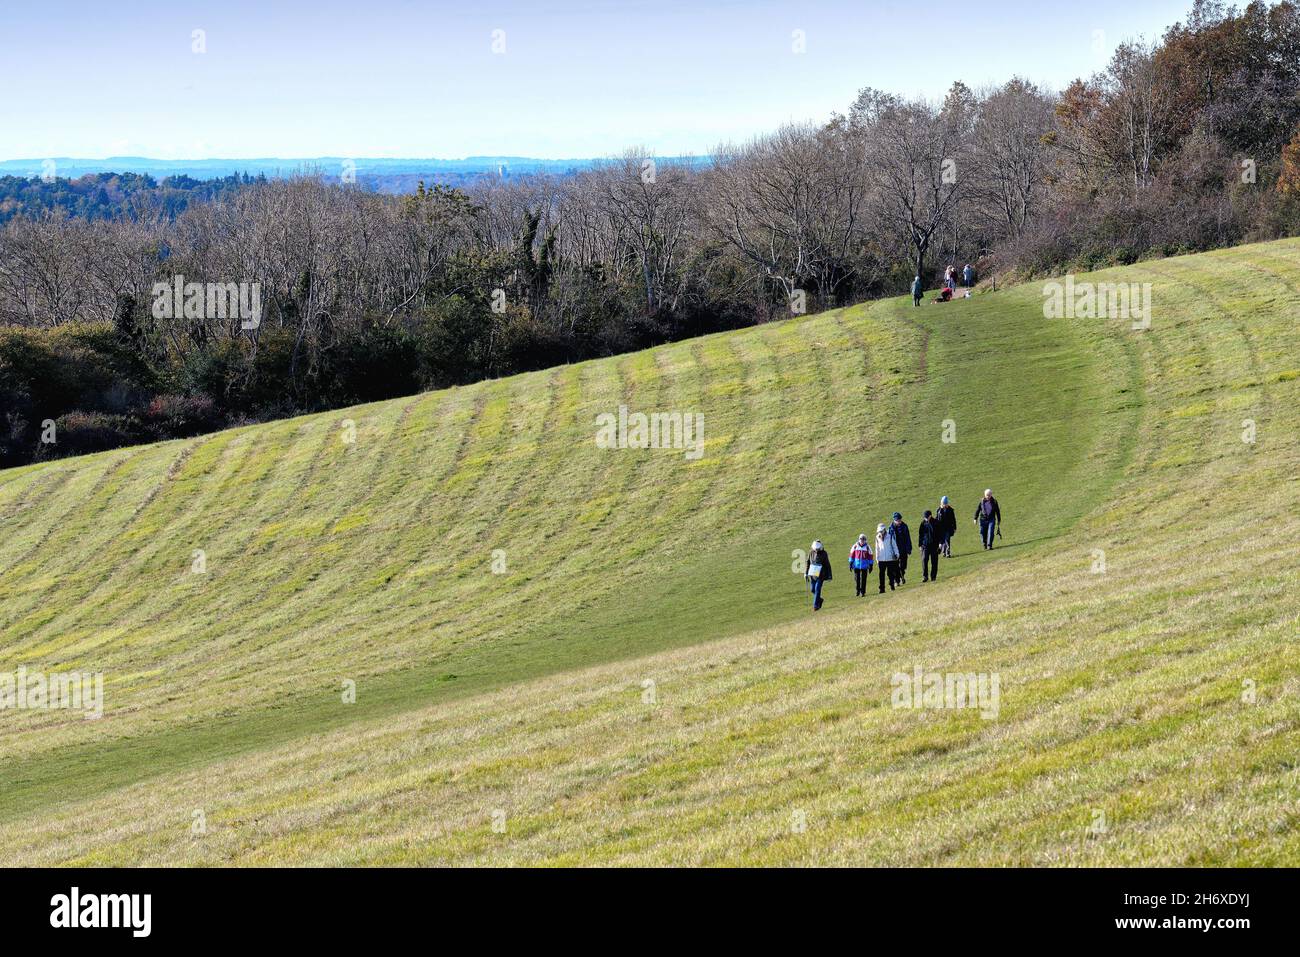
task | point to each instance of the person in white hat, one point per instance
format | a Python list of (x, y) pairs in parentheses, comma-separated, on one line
[(817, 571)]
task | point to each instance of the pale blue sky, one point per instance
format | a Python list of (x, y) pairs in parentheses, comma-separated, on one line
[(578, 78)]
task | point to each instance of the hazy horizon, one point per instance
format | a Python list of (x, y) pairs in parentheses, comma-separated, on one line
[(327, 156)]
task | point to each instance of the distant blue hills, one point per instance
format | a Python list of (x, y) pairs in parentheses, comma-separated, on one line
[(389, 175)]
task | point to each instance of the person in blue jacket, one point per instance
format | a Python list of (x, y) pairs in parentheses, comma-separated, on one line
[(917, 291), (968, 276)]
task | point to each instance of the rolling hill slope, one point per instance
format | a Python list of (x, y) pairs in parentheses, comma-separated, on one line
[(360, 546)]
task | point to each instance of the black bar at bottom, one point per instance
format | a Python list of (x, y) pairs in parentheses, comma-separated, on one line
[(336, 906)]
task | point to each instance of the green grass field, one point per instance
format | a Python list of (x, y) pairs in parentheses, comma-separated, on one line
[(1149, 712)]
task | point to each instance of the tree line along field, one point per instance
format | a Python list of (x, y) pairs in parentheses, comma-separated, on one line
[(505, 718)]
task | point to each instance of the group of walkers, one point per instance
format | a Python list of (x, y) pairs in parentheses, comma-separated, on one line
[(893, 547), (949, 288)]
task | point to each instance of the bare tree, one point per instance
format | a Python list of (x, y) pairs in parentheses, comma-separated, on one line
[(791, 205), (1010, 154), (917, 160), (648, 206), (44, 273), (1139, 117)]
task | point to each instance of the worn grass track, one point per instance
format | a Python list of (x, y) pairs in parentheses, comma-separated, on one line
[(522, 692)]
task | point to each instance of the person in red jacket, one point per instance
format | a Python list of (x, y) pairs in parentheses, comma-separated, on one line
[(861, 560)]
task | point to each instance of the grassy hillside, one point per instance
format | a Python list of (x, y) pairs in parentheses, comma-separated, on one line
[(522, 693)]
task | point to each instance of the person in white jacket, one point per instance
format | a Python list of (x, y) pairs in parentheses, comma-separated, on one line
[(886, 557)]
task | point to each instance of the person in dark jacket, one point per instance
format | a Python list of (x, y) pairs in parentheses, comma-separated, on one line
[(948, 522), (930, 537), (917, 291), (988, 517), (817, 571), (903, 537)]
